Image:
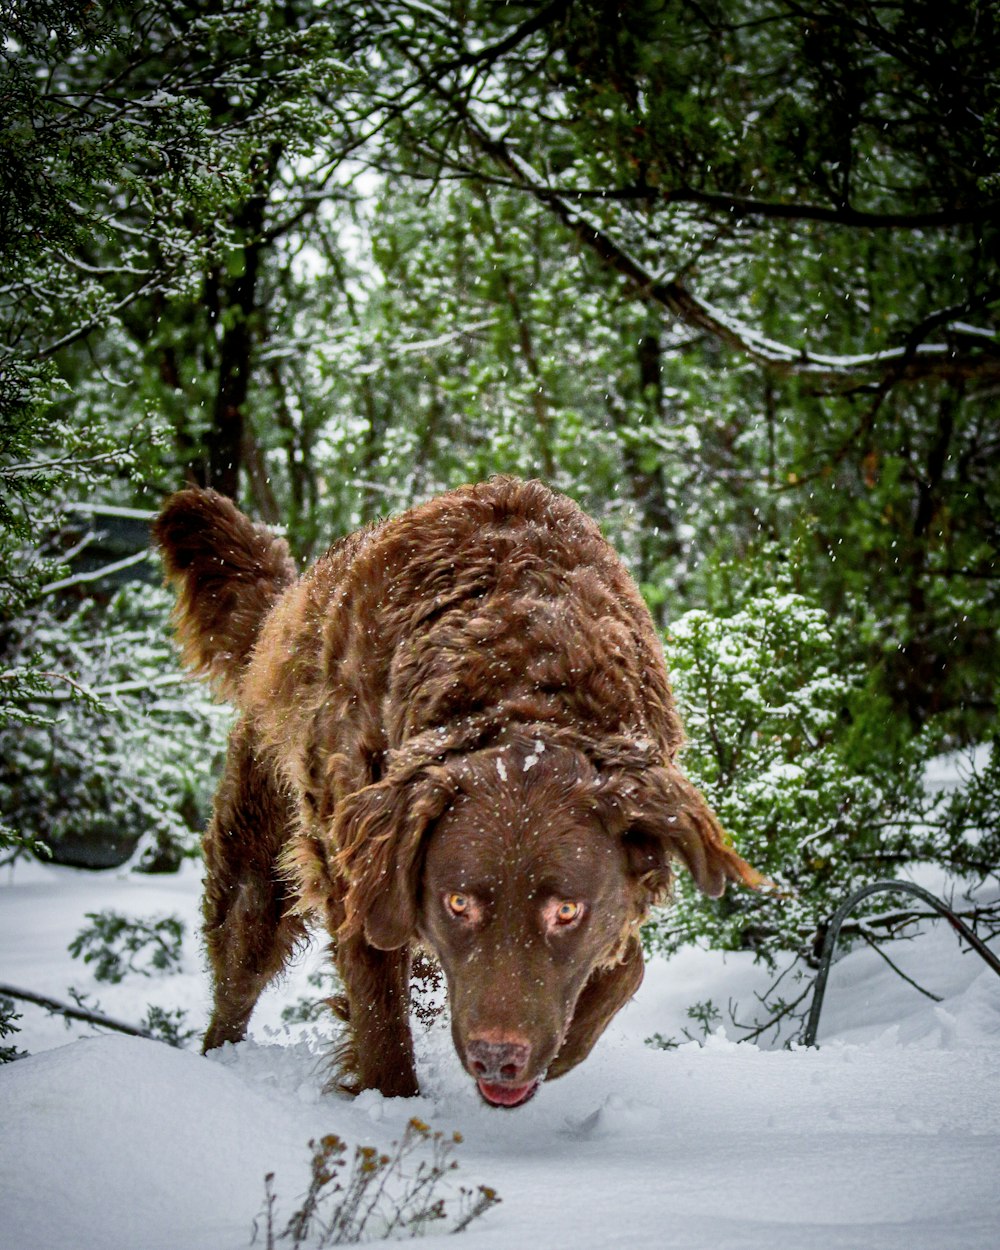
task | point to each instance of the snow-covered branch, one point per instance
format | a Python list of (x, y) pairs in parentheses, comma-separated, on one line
[(94, 575), (957, 357), (442, 340)]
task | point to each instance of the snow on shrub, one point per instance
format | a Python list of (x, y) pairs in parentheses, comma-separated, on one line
[(782, 739), (118, 759)]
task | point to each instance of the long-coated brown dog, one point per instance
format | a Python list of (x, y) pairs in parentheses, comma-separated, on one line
[(456, 730)]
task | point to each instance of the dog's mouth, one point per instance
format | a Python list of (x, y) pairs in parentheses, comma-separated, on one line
[(503, 1094)]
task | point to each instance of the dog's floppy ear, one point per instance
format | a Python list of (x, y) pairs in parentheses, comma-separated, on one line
[(380, 831), (662, 817)]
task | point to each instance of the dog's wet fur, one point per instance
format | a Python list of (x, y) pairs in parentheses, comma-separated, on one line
[(455, 730)]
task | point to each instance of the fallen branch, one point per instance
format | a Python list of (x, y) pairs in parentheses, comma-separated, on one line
[(74, 1013)]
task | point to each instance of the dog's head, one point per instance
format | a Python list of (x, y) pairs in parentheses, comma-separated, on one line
[(525, 867)]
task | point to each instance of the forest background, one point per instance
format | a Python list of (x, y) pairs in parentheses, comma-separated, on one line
[(727, 273)]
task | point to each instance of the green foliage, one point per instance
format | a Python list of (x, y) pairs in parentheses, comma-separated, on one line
[(966, 830), (126, 144), (114, 759), (705, 1017), (795, 756), (130, 151), (312, 1007), (377, 1194), (8, 1014), (168, 1025), (729, 278), (116, 945)]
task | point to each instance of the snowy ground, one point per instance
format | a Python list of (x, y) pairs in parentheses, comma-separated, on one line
[(887, 1136)]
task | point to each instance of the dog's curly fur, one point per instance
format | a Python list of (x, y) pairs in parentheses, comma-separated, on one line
[(391, 684)]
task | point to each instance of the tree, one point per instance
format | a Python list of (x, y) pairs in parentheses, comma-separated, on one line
[(133, 141), (811, 196)]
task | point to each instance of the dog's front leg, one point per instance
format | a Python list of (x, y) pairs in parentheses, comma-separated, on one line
[(379, 1054)]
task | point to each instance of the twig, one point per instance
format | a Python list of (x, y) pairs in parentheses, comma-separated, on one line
[(935, 998), (13, 674), (786, 1009)]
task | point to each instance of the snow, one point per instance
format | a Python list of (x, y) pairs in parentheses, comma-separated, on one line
[(535, 755), (886, 1136)]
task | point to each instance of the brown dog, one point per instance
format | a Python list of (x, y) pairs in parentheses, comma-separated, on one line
[(456, 730)]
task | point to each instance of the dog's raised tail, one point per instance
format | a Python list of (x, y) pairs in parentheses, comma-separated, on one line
[(227, 572)]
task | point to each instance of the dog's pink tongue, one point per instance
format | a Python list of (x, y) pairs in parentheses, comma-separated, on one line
[(506, 1095)]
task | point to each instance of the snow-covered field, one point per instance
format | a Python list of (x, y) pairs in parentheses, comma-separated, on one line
[(887, 1136)]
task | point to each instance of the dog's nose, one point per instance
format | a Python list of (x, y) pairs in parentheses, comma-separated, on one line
[(497, 1061)]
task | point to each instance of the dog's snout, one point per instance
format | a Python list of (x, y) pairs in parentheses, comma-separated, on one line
[(497, 1061)]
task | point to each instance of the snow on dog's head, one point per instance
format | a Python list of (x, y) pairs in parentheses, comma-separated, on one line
[(527, 868)]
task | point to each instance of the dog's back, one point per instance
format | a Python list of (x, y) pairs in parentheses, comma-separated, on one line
[(497, 603)]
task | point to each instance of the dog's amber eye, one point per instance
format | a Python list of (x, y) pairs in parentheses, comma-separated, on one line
[(567, 912), (457, 904)]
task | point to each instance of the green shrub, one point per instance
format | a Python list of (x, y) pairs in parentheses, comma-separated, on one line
[(116, 945), (8, 1015), (803, 763), (114, 761)]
